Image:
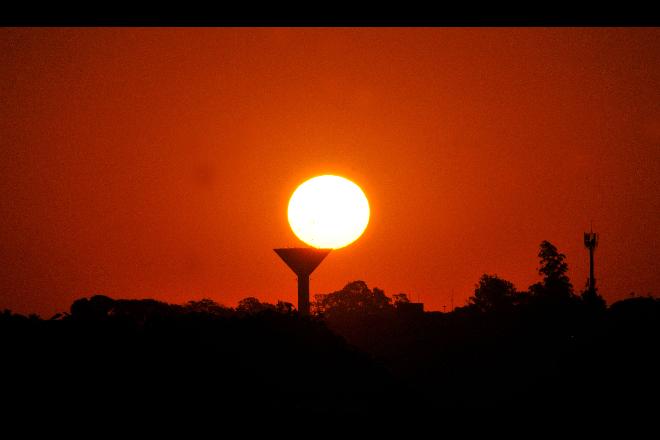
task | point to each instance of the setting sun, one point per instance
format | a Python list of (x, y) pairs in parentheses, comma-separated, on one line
[(328, 212)]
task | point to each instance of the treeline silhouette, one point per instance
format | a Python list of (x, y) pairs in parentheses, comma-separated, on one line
[(360, 352)]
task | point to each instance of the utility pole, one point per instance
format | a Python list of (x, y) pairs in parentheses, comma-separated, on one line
[(590, 242)]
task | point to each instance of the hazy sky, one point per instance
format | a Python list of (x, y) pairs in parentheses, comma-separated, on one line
[(159, 162)]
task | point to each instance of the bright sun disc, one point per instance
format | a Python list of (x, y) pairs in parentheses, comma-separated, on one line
[(328, 212)]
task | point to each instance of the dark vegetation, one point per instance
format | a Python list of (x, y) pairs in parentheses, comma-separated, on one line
[(362, 352)]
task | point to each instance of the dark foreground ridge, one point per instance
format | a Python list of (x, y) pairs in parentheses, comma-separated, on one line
[(360, 353), (148, 355)]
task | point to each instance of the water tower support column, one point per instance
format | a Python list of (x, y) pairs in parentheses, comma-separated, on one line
[(303, 294)]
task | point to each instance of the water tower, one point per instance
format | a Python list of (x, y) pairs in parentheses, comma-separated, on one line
[(303, 261), (590, 242), (326, 212)]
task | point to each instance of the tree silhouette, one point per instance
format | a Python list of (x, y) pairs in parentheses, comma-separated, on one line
[(207, 306), (555, 285), (354, 298), (252, 305), (284, 307), (492, 293), (400, 298), (96, 308)]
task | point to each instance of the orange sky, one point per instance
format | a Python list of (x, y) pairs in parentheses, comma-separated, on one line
[(159, 162)]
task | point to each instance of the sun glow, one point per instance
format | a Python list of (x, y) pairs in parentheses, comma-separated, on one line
[(328, 212)]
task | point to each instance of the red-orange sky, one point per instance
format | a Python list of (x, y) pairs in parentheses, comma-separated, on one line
[(159, 162)]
